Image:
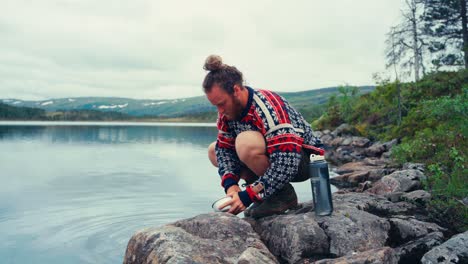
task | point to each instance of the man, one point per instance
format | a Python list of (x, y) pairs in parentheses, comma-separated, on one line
[(261, 139)]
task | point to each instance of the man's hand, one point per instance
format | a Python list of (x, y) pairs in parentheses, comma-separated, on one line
[(236, 204), (233, 189)]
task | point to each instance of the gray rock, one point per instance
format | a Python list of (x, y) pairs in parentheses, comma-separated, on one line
[(344, 129), (389, 144), (326, 139), (414, 166), (255, 256), (418, 197), (404, 229), (398, 181), (207, 238), (360, 142), (318, 134), (383, 255), (347, 141), (394, 196), (386, 154), (374, 204), (350, 229), (454, 250), (413, 251), (292, 237)]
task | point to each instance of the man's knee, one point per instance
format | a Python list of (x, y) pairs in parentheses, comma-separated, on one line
[(212, 154), (250, 144)]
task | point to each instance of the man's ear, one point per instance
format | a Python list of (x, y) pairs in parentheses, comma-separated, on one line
[(237, 88)]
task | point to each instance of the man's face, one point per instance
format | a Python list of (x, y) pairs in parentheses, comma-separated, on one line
[(228, 105)]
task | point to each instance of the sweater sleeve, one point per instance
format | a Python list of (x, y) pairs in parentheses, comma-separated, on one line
[(228, 161)]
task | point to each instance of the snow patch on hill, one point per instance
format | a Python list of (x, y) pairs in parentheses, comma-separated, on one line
[(47, 103), (155, 103), (112, 106)]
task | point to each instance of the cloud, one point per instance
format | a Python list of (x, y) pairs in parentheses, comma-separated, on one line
[(156, 49)]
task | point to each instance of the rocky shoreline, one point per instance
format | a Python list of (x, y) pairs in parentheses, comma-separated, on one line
[(379, 217)]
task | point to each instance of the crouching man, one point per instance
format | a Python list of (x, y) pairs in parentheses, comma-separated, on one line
[(261, 139)]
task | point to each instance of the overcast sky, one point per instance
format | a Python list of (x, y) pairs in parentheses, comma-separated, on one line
[(156, 49)]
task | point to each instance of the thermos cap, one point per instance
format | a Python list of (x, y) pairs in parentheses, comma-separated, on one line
[(314, 157)]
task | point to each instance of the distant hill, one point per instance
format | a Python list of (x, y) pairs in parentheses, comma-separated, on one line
[(184, 107)]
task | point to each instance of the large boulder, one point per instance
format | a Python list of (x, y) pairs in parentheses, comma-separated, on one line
[(360, 230), (207, 238), (350, 229), (293, 237), (454, 250), (301, 234)]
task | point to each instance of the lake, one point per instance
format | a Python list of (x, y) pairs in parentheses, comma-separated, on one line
[(75, 192)]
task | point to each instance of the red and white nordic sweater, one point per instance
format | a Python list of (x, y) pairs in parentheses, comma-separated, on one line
[(285, 130)]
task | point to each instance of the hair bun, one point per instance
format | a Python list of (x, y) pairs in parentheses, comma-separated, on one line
[(213, 63)]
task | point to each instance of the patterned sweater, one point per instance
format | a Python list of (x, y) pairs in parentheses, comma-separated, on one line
[(285, 130)]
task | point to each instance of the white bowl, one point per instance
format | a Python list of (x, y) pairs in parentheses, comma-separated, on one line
[(220, 202)]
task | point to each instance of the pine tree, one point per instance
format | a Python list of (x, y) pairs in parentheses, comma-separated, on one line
[(445, 22)]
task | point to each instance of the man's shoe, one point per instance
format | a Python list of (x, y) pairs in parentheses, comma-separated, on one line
[(278, 203)]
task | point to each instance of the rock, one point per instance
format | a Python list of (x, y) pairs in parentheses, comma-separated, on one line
[(417, 197), (404, 229), (357, 172), (377, 174), (326, 139), (292, 237), (383, 255), (347, 141), (255, 256), (389, 144), (344, 129), (349, 179), (360, 142), (336, 142), (394, 196), (454, 250), (386, 155), (414, 166), (398, 181), (350, 229), (354, 166), (375, 150), (318, 134), (360, 230), (364, 186), (413, 251), (207, 238)]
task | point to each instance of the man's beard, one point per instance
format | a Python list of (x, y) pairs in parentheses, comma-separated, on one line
[(237, 109)]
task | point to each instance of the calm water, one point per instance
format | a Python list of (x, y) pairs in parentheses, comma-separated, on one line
[(76, 192)]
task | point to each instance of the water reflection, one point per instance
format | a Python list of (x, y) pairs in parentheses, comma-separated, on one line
[(111, 134), (76, 194)]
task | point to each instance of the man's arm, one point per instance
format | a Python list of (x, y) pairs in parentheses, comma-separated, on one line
[(226, 156)]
